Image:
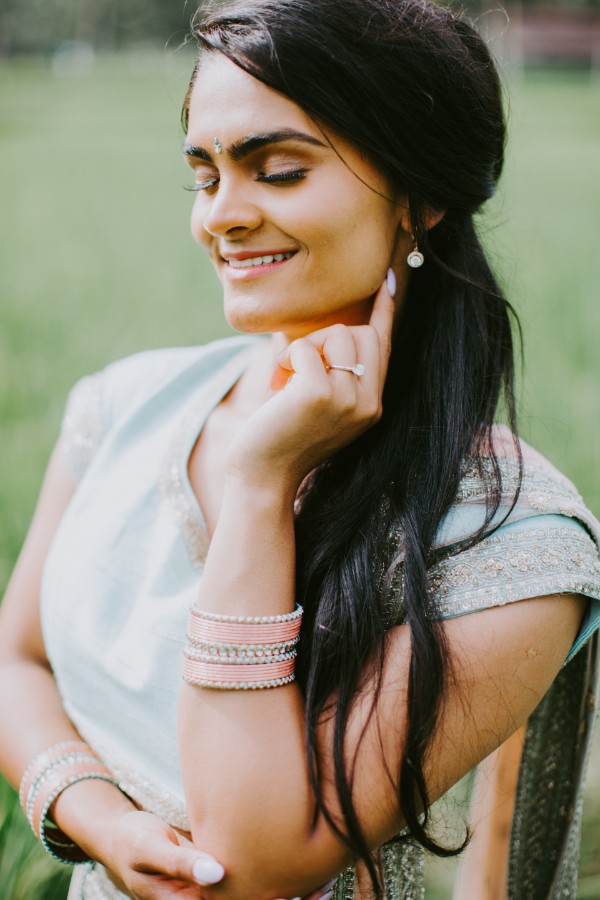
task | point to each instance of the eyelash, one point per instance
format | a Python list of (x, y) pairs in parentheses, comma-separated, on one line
[(276, 178)]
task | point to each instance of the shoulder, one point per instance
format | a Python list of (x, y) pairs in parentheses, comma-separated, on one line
[(530, 487), (543, 540), (98, 402)]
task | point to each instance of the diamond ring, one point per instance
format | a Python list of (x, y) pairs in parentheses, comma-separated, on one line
[(358, 369)]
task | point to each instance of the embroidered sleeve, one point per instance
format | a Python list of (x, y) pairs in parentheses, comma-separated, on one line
[(548, 545), (516, 564), (83, 425)]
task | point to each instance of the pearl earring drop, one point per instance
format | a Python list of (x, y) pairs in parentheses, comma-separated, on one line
[(415, 258)]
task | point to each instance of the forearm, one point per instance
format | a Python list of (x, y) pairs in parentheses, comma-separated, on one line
[(243, 752), (32, 718)]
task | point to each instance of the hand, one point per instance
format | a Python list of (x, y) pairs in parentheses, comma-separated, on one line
[(317, 410), (149, 860), (153, 861)]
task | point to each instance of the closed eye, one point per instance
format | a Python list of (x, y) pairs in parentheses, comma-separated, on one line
[(202, 185), (274, 178), (283, 177)]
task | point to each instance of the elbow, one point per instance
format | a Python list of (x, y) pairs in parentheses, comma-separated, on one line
[(262, 867)]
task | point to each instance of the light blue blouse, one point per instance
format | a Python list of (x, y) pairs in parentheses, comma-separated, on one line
[(126, 562)]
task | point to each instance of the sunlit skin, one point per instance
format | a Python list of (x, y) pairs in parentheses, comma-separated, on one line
[(333, 209)]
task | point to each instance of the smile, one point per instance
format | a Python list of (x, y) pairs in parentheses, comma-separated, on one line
[(257, 260)]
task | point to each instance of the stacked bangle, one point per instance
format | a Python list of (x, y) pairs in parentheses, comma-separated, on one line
[(46, 777), (241, 652)]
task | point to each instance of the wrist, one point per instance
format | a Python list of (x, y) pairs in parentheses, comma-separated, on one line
[(271, 492), (87, 812)]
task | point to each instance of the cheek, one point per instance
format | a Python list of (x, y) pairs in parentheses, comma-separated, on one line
[(355, 242)]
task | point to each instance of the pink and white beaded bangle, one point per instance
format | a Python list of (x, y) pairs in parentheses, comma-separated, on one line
[(38, 783), (217, 672), (40, 762), (248, 620), (195, 673), (231, 658), (241, 652), (57, 782), (241, 633), (74, 854), (45, 778), (226, 647)]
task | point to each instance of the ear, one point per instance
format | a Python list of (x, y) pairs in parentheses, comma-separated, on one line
[(432, 217)]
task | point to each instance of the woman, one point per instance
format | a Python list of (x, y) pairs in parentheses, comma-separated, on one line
[(448, 576)]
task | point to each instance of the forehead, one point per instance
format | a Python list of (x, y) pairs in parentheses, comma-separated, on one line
[(226, 100)]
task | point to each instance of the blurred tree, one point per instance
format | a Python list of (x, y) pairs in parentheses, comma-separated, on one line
[(41, 25)]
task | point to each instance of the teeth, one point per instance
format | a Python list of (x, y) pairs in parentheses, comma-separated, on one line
[(258, 260)]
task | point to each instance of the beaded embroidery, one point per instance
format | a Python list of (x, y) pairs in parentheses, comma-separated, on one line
[(507, 566), (185, 512), (173, 477)]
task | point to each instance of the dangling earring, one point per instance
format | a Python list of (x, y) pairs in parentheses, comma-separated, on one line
[(415, 258)]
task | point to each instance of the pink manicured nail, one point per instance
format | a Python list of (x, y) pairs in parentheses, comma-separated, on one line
[(390, 280)]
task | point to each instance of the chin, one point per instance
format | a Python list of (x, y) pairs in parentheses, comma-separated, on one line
[(249, 321)]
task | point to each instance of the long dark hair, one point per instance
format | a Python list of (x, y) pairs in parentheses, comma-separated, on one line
[(413, 84)]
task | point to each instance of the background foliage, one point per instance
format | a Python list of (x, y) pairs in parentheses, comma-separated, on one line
[(97, 263), (41, 25)]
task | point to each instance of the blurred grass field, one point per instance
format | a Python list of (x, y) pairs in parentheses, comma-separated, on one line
[(96, 262)]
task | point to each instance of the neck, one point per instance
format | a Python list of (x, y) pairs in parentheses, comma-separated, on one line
[(252, 390)]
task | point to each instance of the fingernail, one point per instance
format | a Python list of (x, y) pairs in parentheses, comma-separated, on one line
[(326, 896), (207, 871), (329, 885), (390, 280)]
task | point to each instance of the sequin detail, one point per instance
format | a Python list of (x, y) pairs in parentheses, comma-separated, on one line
[(93, 883), (83, 425), (537, 482), (174, 480), (174, 488), (515, 565)]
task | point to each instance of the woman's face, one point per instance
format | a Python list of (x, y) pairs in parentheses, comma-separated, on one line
[(300, 234)]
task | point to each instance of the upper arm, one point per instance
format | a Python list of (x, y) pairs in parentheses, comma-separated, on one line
[(20, 629), (83, 429), (504, 660)]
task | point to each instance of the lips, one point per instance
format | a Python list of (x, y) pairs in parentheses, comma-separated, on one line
[(246, 259), (257, 260)]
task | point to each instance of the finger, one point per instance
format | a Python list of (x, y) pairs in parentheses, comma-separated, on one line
[(300, 357), (384, 309), (206, 870), (348, 345), (382, 319), (339, 349), (182, 862), (336, 347)]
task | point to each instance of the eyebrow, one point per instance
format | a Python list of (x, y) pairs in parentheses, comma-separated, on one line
[(247, 145)]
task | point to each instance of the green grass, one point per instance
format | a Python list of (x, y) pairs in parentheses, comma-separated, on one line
[(97, 262)]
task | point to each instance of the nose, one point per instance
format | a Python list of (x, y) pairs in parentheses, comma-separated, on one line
[(229, 211)]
